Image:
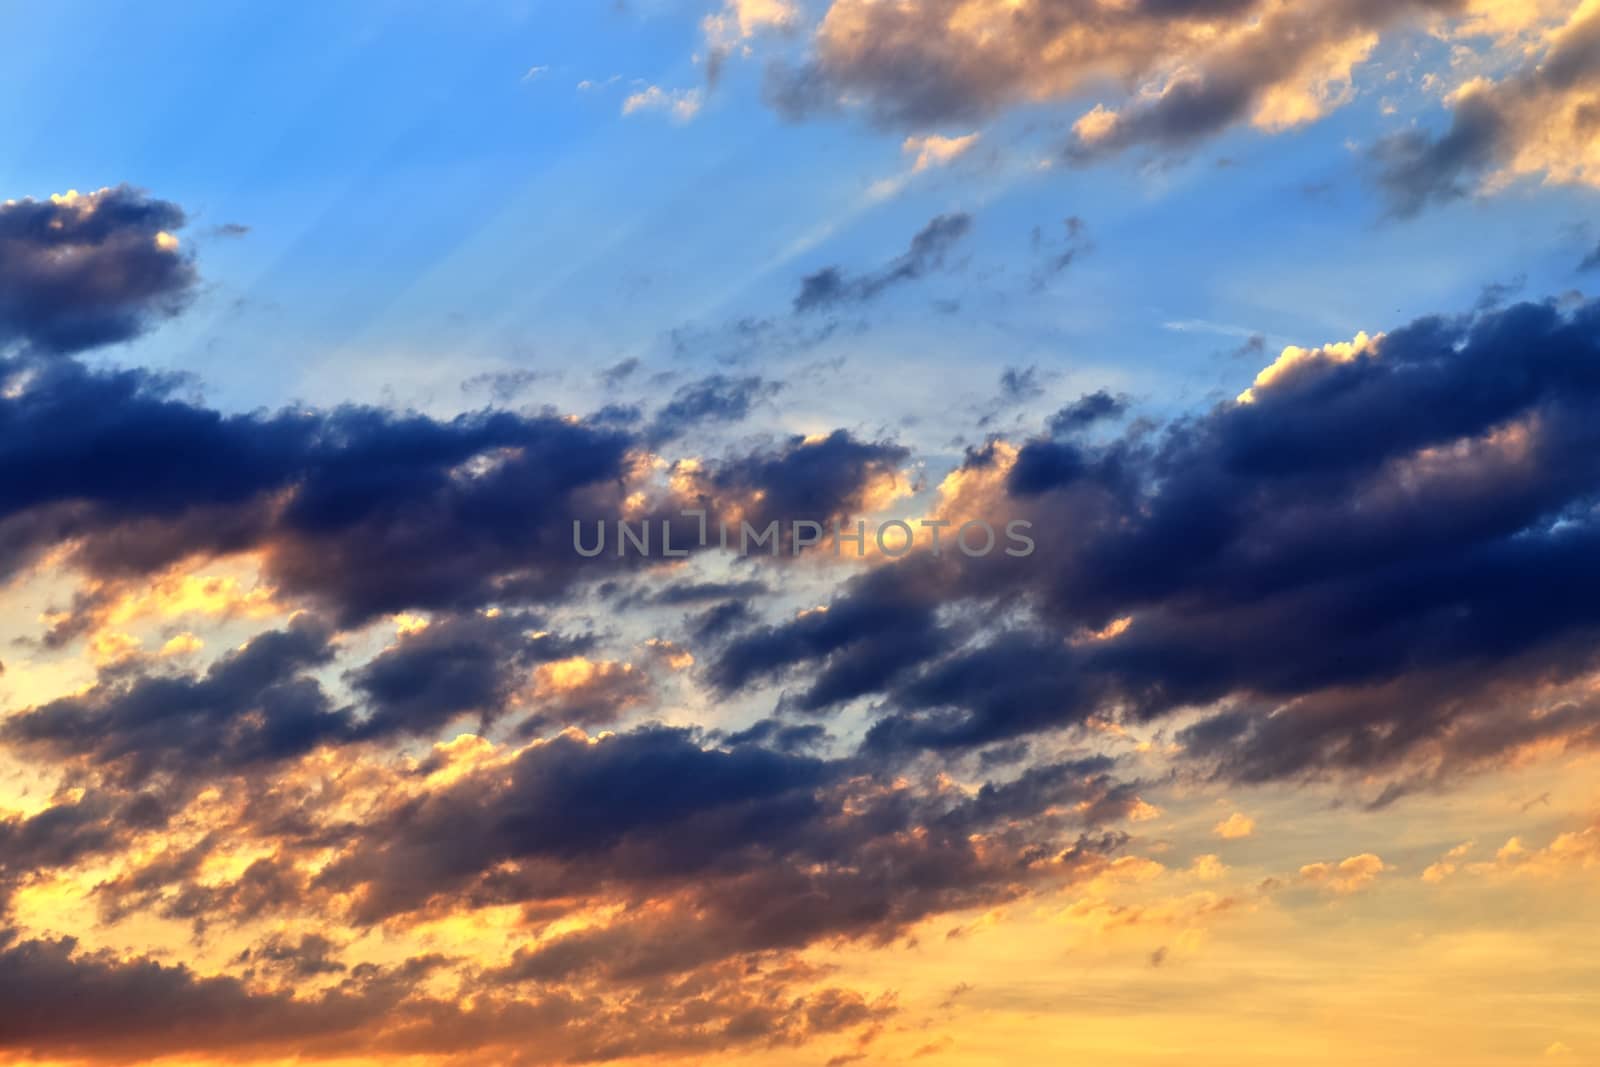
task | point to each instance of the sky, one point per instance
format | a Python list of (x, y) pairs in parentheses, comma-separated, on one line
[(330, 335)]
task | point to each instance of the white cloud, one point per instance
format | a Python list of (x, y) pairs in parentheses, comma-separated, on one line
[(936, 151), (680, 104)]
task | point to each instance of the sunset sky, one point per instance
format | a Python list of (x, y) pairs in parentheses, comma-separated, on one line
[(322, 325)]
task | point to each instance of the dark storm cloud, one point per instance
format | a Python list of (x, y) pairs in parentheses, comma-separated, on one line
[(469, 664), (1423, 511), (352, 507), (1086, 411), (81, 271), (451, 536), (1045, 465), (652, 800), (812, 479), (262, 704), (744, 850), (1015, 684), (831, 287), (718, 621), (121, 440), (729, 858), (719, 398), (794, 738), (361, 511), (1591, 261), (65, 1001), (886, 623), (253, 706), (698, 592)]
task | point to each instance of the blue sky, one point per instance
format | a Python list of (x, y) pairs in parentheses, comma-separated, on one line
[(430, 193)]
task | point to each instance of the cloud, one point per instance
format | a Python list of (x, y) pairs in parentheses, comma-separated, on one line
[(1193, 68), (699, 592), (831, 287), (1234, 827), (312, 955), (1088, 410), (718, 398), (345, 510), (1569, 852), (804, 479), (935, 150), (741, 19), (96, 1006), (1347, 876), (82, 270), (347, 507), (729, 31), (1020, 384), (582, 692), (1448, 864), (744, 849), (679, 104), (1379, 559), (253, 706), (263, 704), (859, 645), (69, 1002), (65, 833), (1375, 564), (1054, 254), (1538, 122), (466, 664), (1289, 67)]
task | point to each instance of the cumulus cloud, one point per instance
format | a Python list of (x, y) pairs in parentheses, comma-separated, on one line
[(1234, 827), (1538, 122), (823, 479), (1191, 70), (138, 480), (1379, 559), (1198, 66), (97, 1006), (80, 270), (744, 847), (1347, 876), (475, 664)]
